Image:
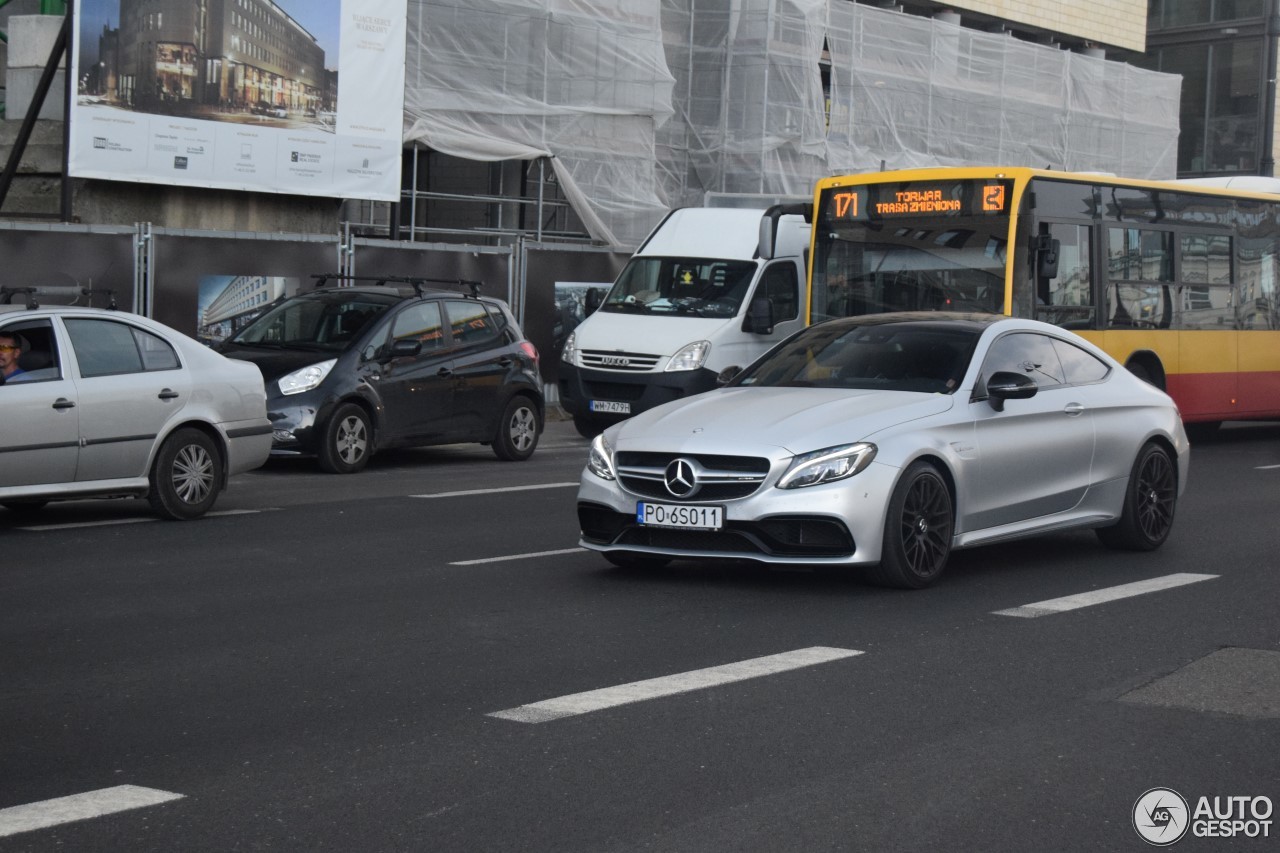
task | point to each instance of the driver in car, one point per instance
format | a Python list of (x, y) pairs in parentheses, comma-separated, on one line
[(11, 348)]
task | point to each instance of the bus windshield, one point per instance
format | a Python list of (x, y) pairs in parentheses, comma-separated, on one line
[(917, 247), (689, 287)]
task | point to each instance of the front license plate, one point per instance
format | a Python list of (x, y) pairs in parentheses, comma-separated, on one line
[(611, 407), (680, 516)]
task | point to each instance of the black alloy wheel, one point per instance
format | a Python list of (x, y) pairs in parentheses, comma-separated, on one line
[(1149, 503), (917, 531)]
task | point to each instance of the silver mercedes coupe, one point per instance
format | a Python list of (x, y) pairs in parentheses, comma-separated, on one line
[(886, 442)]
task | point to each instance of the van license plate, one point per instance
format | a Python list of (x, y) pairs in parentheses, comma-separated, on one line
[(680, 516), (611, 407)]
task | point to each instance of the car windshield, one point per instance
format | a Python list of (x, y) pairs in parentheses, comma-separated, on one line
[(689, 287), (928, 358), (329, 322)]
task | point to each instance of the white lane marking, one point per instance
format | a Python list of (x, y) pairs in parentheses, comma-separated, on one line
[(517, 557), (142, 520), (496, 491), (1267, 467), (670, 685), (80, 807), (1099, 596)]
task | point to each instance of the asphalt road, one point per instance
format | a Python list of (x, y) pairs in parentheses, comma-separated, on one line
[(317, 668)]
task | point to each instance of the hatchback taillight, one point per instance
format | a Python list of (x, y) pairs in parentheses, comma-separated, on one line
[(530, 350)]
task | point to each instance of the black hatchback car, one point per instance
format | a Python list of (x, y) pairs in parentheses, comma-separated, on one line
[(354, 370)]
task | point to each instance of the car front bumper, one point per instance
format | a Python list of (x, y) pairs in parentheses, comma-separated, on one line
[(580, 386), (834, 524)]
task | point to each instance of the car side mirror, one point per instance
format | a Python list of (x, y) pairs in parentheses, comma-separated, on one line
[(1007, 385), (404, 348), (759, 317), (592, 300), (726, 376)]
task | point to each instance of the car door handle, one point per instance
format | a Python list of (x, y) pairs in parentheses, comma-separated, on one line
[(506, 361), (63, 403), (1073, 409), (444, 371), (168, 394)]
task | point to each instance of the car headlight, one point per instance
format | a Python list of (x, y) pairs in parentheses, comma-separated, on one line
[(690, 357), (827, 465), (306, 378), (569, 355), (600, 460)]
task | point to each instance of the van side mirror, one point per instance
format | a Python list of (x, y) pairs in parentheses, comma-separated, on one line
[(1007, 385), (592, 300), (727, 375), (759, 317)]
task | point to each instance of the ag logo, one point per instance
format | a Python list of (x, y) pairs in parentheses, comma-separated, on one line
[(1161, 816)]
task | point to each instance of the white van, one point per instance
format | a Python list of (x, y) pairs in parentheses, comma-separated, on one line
[(710, 290)]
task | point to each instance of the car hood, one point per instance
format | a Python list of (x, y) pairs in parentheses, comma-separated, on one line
[(275, 363), (797, 420)]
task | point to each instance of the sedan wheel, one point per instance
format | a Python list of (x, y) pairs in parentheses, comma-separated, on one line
[(345, 448), (517, 431), (1149, 503), (186, 476), (917, 531)]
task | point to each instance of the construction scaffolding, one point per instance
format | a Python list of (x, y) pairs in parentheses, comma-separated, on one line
[(645, 105)]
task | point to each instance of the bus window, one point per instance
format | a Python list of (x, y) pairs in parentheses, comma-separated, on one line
[(1136, 260), (1067, 299)]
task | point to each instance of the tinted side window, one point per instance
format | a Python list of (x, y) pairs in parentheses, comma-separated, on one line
[(420, 322), (1026, 353), (471, 323), (781, 286), (107, 348), (1080, 367)]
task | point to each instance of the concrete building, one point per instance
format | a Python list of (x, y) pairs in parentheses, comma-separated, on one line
[(623, 110)]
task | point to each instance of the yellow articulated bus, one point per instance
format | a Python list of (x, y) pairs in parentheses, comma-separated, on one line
[(1178, 281)]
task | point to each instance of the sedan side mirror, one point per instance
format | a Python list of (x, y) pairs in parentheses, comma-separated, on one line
[(1006, 385)]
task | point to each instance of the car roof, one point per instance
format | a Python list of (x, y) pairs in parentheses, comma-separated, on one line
[(952, 319)]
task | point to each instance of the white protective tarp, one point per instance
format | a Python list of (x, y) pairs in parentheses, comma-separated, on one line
[(644, 105)]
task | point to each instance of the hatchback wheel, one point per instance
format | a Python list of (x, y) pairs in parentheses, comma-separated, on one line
[(1149, 503), (186, 476), (347, 444), (917, 531), (517, 431)]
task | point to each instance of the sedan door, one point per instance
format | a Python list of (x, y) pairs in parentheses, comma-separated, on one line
[(40, 441), (1036, 454), (132, 385)]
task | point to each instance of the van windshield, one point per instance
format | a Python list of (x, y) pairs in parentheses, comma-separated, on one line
[(691, 287), (329, 322)]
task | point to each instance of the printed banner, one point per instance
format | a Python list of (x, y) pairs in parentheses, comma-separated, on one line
[(285, 96)]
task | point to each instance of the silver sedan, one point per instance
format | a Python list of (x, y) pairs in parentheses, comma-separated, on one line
[(102, 403), (887, 442)]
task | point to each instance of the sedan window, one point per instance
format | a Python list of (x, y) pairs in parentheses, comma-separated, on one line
[(105, 348), (924, 359), (1027, 353), (1080, 367), (36, 359)]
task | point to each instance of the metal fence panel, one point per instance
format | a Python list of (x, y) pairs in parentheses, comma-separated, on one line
[(63, 259)]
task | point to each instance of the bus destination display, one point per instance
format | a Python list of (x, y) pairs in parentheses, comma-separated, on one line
[(887, 201)]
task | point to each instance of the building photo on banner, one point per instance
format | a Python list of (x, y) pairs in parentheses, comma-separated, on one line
[(288, 96)]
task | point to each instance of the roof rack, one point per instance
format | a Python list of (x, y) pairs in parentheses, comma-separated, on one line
[(419, 282), (7, 294)]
